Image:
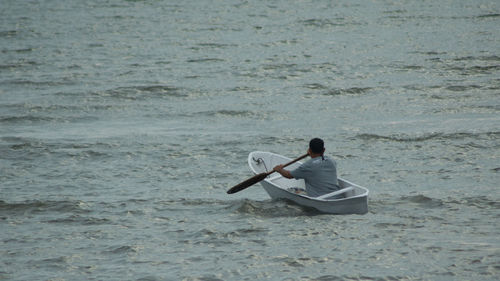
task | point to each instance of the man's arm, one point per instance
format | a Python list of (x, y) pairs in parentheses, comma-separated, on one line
[(283, 172)]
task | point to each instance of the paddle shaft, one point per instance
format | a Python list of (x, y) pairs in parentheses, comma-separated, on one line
[(290, 163), (257, 178)]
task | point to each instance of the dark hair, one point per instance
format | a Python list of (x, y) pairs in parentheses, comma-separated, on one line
[(317, 145)]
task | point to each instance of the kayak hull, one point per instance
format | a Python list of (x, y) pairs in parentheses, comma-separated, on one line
[(354, 201)]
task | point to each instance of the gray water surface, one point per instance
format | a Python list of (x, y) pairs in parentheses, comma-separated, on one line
[(123, 123)]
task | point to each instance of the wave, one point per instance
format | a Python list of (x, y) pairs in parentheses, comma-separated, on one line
[(27, 113), (315, 86), (246, 89), (217, 235), (348, 91), (267, 208), (212, 46), (469, 65), (424, 201), (19, 64), (38, 206), (80, 220), (449, 88), (338, 91), (143, 92), (408, 207), (488, 16), (9, 33), (192, 204), (26, 118), (480, 202), (224, 112), (427, 137), (272, 208), (476, 69), (122, 249), (494, 58), (370, 137), (32, 83), (327, 23), (282, 140), (54, 108), (462, 88), (407, 68), (427, 202), (203, 60), (26, 148)]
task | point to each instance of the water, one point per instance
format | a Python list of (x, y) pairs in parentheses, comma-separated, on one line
[(123, 123)]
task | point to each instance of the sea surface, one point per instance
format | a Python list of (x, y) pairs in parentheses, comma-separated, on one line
[(124, 123)]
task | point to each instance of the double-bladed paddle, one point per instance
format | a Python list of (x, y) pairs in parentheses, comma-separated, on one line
[(257, 178)]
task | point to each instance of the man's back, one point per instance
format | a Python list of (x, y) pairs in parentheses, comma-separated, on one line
[(319, 174)]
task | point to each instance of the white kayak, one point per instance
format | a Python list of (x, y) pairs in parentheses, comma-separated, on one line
[(350, 199)]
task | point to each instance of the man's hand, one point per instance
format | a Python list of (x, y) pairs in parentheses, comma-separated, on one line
[(278, 168), (283, 172)]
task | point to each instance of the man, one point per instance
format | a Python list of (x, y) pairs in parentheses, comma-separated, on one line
[(319, 172)]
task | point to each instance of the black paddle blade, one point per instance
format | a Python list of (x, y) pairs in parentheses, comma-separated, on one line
[(249, 182)]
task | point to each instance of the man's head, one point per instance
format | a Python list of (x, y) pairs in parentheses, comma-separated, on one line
[(317, 146)]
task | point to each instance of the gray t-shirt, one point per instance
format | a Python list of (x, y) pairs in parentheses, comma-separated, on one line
[(319, 174)]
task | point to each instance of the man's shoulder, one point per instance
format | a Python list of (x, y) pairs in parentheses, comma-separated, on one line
[(318, 162), (312, 161), (331, 160), (326, 160)]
